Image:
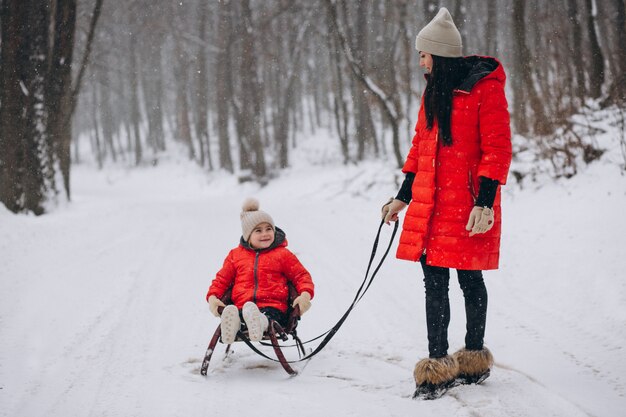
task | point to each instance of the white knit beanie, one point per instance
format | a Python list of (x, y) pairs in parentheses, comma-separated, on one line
[(440, 37), (251, 217)]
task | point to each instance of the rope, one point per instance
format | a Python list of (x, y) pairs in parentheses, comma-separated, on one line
[(359, 295)]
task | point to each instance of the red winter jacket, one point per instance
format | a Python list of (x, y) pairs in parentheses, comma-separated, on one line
[(446, 177), (261, 276)]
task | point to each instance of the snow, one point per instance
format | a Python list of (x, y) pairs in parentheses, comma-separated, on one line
[(102, 309)]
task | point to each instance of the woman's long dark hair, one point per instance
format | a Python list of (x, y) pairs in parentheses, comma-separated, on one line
[(446, 75)]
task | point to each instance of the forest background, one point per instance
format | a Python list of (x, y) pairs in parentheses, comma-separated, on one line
[(238, 83)]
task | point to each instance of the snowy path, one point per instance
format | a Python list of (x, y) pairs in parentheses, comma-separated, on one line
[(102, 311)]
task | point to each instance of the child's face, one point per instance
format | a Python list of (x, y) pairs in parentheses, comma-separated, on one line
[(262, 236)]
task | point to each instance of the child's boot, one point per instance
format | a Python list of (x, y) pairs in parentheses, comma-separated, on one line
[(256, 321), (433, 376), (474, 365), (230, 324)]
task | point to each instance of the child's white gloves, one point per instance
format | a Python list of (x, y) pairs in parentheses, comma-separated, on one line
[(303, 301), (214, 303), (391, 209), (481, 220)]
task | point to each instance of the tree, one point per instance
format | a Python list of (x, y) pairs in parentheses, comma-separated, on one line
[(578, 62), (59, 90), (388, 103), (202, 89), (365, 132), (596, 73), (223, 83), (525, 88), (617, 92), (251, 93), (491, 28), (23, 114)]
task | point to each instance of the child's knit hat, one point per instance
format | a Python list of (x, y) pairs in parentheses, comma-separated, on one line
[(251, 217)]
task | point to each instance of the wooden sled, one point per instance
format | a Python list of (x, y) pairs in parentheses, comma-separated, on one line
[(274, 332)]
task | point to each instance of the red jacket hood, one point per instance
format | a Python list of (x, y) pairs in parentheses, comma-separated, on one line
[(481, 68)]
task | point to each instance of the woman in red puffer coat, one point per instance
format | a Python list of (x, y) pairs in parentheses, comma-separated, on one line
[(258, 272), (460, 154)]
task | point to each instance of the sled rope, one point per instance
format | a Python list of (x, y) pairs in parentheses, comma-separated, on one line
[(359, 295)]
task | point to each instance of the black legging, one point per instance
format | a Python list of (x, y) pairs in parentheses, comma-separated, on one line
[(436, 281)]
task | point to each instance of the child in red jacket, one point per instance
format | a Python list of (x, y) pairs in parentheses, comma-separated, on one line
[(258, 271)]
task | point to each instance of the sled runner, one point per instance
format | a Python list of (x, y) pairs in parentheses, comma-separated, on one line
[(274, 332)]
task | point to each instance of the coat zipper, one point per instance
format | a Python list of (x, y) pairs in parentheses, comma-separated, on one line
[(471, 186), (435, 186), (256, 278)]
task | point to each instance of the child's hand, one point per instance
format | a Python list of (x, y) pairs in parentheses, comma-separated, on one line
[(214, 303), (303, 301)]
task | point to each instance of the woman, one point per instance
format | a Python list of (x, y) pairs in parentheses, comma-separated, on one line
[(460, 154)]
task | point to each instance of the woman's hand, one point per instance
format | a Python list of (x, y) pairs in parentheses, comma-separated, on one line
[(391, 209), (481, 220)]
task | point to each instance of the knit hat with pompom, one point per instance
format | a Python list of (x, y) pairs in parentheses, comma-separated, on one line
[(251, 217)]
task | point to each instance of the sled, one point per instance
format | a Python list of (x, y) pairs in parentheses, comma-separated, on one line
[(274, 332)]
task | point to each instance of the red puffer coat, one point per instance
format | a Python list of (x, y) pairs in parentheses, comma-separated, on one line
[(261, 276), (447, 177)]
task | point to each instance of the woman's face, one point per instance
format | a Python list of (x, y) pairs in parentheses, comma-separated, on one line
[(426, 61), (262, 236)]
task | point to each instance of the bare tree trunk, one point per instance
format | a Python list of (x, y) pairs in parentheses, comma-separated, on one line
[(202, 90), (135, 115), (407, 50), (459, 19), (98, 149), (251, 92), (12, 121), (36, 113), (59, 94), (576, 50), (617, 92), (365, 132), (153, 93), (491, 30), (596, 73), (223, 83), (183, 127), (315, 85), (23, 119), (104, 105), (522, 65), (339, 105)]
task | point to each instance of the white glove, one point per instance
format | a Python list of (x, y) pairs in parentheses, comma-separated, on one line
[(214, 303), (303, 301), (391, 209), (481, 220)]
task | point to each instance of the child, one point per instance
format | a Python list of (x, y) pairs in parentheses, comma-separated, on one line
[(258, 271)]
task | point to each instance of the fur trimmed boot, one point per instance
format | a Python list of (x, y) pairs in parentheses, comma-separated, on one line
[(474, 365), (433, 376)]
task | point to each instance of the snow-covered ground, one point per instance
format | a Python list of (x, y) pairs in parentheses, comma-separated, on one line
[(102, 309)]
